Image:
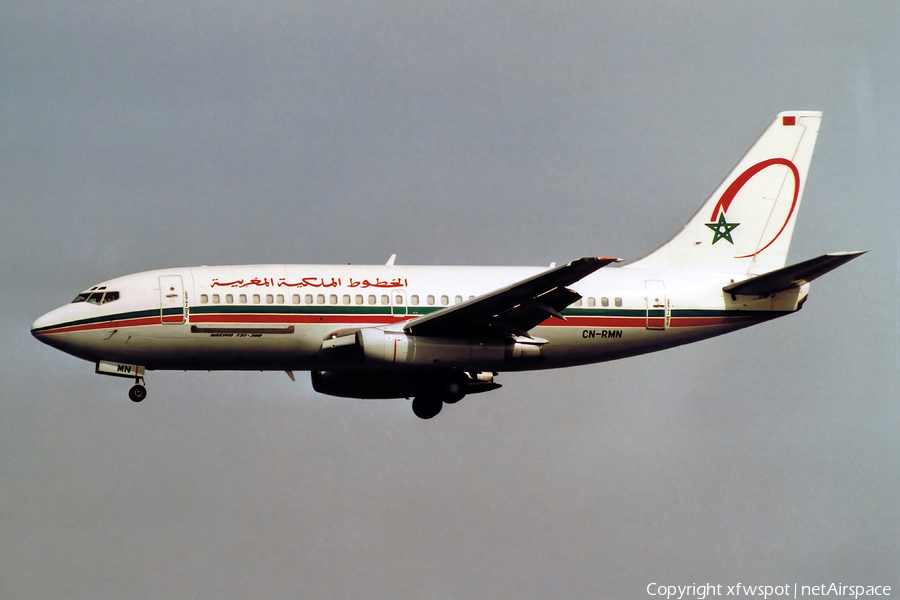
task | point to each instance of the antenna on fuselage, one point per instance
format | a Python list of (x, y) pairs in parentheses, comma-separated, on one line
[(390, 262)]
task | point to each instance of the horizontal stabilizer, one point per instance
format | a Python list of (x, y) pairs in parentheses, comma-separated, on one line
[(792, 276)]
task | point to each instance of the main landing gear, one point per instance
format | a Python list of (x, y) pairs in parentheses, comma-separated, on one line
[(446, 390), (426, 407)]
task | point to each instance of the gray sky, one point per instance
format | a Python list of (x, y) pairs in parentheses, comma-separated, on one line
[(137, 135)]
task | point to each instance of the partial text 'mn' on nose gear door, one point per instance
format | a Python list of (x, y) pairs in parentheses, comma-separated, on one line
[(171, 299)]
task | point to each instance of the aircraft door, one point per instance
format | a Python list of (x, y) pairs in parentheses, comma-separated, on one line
[(657, 307), (398, 303), (171, 299)]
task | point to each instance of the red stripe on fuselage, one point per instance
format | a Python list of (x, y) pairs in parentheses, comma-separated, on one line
[(375, 320), (595, 322), (350, 319), (641, 322), (707, 321)]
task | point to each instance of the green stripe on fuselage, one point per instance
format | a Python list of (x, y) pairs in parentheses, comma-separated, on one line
[(412, 311), (137, 314)]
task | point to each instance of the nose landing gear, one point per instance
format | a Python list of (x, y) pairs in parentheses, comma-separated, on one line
[(137, 393)]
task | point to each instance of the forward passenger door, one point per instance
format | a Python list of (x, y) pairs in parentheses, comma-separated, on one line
[(171, 300)]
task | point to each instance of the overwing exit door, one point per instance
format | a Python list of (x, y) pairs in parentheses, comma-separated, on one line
[(398, 303)]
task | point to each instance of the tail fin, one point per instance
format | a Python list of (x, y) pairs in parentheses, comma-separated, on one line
[(745, 227)]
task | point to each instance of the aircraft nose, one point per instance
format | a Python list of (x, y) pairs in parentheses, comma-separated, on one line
[(45, 321), (39, 324)]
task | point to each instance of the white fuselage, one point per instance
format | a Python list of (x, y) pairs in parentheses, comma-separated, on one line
[(275, 317)]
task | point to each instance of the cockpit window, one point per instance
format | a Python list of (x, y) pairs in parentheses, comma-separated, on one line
[(97, 297)]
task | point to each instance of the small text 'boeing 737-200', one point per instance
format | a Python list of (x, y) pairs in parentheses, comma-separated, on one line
[(436, 334)]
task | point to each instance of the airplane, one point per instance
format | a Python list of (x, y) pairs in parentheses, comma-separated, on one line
[(438, 333)]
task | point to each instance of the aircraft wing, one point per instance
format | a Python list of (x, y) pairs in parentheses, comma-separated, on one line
[(792, 276), (514, 309)]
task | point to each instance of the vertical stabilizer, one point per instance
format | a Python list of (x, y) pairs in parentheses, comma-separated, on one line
[(745, 227)]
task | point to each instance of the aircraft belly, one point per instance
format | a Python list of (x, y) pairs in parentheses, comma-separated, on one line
[(570, 346)]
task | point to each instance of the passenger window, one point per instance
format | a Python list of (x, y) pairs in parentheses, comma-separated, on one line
[(445, 300), (229, 299), (414, 300), (346, 299), (604, 301), (295, 299), (320, 298), (618, 302), (242, 298), (270, 299), (204, 298), (457, 300), (280, 299), (398, 300), (371, 299), (430, 299), (255, 298), (592, 302), (332, 299), (215, 298), (471, 297), (385, 299), (577, 303), (308, 299), (359, 299), (110, 297)]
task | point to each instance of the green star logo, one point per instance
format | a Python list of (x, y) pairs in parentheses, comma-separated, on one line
[(722, 229)]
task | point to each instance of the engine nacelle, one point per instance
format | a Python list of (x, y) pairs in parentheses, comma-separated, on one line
[(450, 384), (399, 348), (381, 346), (364, 384)]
